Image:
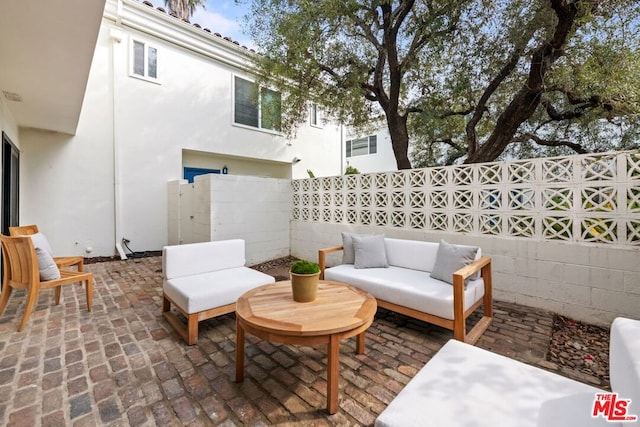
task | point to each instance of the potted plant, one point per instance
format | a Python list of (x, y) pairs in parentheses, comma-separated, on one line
[(304, 280)]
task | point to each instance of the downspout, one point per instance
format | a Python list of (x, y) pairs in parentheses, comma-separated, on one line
[(342, 150), (116, 37)]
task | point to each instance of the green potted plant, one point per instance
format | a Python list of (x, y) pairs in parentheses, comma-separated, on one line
[(304, 280)]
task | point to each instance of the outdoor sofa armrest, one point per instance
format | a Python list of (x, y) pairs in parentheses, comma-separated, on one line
[(482, 264), (322, 253)]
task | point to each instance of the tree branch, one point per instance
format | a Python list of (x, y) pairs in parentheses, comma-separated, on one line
[(550, 143), (472, 136)]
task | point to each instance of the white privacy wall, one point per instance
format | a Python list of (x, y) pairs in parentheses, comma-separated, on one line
[(564, 233), (219, 207)]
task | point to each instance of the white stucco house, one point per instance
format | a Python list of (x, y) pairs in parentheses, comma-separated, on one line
[(370, 152), (103, 102)]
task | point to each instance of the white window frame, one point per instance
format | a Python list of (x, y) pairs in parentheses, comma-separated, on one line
[(349, 152), (315, 111), (233, 107), (147, 46)]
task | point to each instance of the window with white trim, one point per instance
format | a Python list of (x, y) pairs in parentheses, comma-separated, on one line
[(315, 118), (144, 60), (256, 106), (362, 146)]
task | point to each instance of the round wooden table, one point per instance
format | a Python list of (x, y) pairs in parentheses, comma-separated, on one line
[(339, 311)]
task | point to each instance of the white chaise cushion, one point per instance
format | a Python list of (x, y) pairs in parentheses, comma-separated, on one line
[(406, 287), (203, 257), (204, 291), (464, 386), (624, 362)]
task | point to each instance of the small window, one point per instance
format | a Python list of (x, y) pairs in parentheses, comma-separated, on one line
[(362, 146), (144, 60), (256, 106), (314, 116)]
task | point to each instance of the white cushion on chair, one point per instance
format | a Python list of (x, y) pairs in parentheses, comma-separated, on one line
[(204, 291), (624, 361), (40, 241), (46, 265), (463, 386), (204, 257)]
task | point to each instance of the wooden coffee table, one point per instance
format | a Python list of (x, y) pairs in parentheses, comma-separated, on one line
[(340, 311)]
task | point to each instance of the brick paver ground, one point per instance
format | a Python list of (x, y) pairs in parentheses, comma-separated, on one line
[(121, 364)]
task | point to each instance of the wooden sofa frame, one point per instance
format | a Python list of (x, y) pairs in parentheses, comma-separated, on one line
[(458, 324)]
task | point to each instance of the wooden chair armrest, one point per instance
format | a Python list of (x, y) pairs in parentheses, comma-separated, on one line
[(322, 254), (473, 267)]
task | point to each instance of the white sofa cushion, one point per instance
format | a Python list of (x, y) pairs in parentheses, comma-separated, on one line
[(407, 287), (624, 362), (203, 291), (463, 386), (413, 254), (204, 257)]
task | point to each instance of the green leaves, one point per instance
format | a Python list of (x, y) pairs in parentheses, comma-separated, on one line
[(465, 80)]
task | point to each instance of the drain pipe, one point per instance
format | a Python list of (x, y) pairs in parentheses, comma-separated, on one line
[(116, 37)]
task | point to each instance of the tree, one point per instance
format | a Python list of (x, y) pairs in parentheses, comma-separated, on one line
[(183, 9), (535, 78), (466, 78)]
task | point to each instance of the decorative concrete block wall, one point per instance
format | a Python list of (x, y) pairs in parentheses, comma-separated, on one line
[(564, 233)]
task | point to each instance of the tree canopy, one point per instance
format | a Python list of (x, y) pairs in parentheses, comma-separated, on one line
[(464, 80)]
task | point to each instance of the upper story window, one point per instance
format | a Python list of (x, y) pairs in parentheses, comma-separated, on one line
[(362, 146), (144, 60), (256, 106), (315, 118)]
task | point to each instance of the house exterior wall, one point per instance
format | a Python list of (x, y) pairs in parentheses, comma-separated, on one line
[(136, 135), (382, 161), (7, 123)]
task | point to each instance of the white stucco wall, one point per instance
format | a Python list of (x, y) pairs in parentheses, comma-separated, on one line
[(7, 122), (382, 161), (220, 207), (109, 181)]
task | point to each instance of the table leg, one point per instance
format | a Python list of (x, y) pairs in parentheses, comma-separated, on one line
[(360, 344), (333, 367), (239, 352)]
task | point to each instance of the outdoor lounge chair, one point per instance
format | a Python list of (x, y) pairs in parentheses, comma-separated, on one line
[(21, 271), (61, 261)]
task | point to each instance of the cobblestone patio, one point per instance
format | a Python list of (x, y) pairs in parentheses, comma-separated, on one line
[(121, 364)]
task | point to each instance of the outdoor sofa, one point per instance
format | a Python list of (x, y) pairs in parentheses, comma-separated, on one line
[(439, 283)]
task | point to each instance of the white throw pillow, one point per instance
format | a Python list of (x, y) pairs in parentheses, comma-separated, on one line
[(40, 241), (370, 251), (47, 266), (451, 258)]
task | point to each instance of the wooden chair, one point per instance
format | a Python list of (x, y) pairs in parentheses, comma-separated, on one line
[(61, 261), (21, 272)]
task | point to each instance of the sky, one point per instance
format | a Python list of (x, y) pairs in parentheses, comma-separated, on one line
[(221, 16)]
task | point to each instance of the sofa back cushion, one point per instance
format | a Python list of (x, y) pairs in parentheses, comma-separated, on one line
[(198, 258), (413, 254), (624, 361)]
